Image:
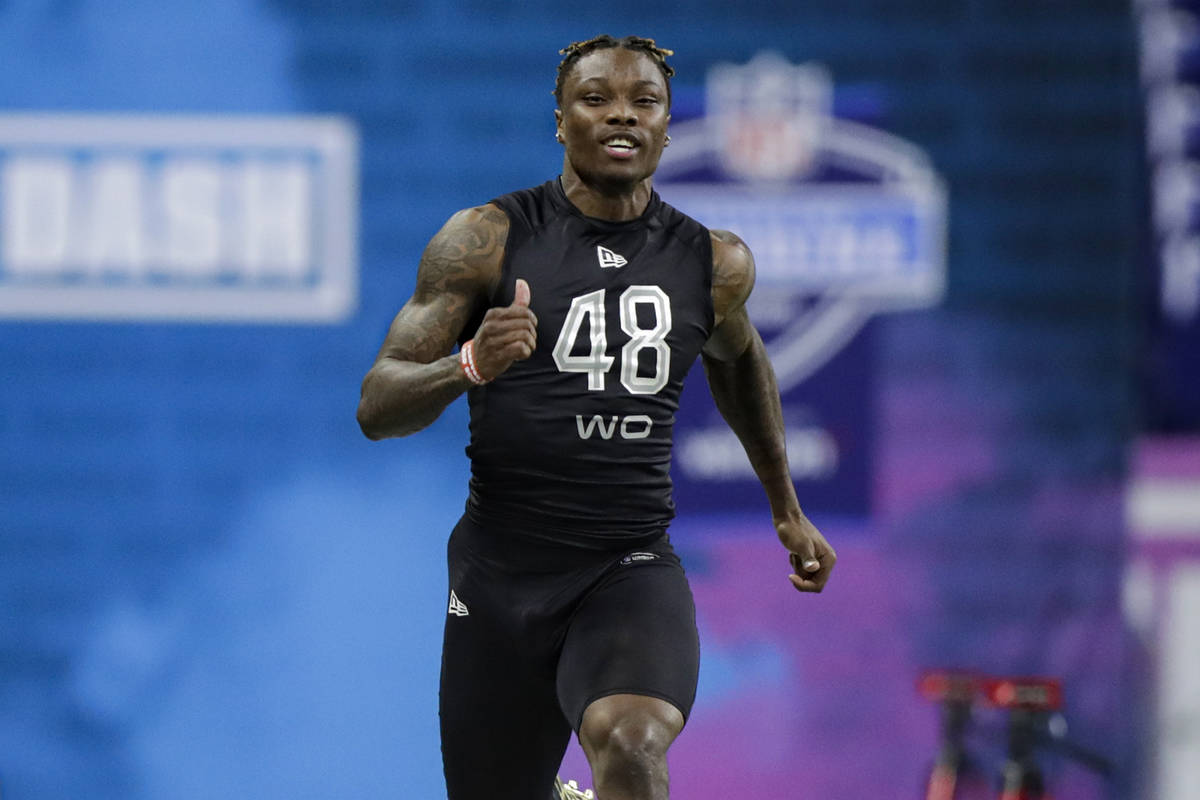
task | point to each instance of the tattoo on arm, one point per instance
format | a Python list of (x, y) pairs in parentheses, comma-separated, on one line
[(732, 282), (733, 273), (414, 377), (458, 271)]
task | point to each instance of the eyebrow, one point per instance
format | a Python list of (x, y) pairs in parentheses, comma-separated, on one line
[(637, 84)]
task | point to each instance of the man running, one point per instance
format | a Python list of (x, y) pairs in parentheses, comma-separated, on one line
[(579, 306)]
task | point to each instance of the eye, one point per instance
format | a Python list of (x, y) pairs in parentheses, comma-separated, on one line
[(647, 101), (593, 99)]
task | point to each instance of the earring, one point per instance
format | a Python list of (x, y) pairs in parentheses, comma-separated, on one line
[(668, 141), (558, 138)]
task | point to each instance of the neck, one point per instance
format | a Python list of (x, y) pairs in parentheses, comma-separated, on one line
[(615, 203)]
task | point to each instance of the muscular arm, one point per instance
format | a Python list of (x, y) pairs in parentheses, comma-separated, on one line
[(415, 376), (740, 375), (743, 385)]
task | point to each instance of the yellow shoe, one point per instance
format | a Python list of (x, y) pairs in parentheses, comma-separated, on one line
[(571, 791)]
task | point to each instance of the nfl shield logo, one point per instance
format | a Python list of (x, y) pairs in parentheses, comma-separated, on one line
[(846, 221), (768, 116)]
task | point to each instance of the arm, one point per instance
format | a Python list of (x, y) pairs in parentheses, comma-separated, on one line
[(415, 376), (742, 383)]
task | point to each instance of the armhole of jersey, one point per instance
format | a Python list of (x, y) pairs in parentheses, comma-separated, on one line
[(706, 258), (477, 320), (518, 232), (697, 238)]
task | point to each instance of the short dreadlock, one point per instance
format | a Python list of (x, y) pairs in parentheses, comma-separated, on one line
[(577, 50)]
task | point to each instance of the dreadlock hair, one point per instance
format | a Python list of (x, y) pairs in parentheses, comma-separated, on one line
[(577, 50)]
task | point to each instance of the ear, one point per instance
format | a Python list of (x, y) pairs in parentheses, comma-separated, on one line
[(558, 119)]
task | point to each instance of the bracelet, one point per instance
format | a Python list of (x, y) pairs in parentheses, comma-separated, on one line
[(466, 358)]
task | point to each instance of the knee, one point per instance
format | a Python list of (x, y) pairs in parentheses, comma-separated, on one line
[(630, 744), (634, 743)]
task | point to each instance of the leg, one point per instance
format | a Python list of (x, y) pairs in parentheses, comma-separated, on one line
[(502, 742), (503, 733), (628, 670), (625, 737)]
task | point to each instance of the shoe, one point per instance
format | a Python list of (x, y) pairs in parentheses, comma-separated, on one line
[(571, 791)]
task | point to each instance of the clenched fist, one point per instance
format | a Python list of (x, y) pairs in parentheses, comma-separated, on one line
[(507, 334)]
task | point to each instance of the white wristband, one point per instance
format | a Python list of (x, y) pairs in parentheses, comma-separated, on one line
[(466, 358)]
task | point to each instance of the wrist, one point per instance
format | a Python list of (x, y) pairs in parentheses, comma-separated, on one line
[(787, 516), (466, 362), (781, 492), (785, 506)]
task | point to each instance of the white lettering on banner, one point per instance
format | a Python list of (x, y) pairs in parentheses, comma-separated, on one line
[(36, 208), (856, 246), (1180, 288), (191, 190), (176, 217), (120, 216), (1176, 191), (1172, 113), (716, 454), (870, 241), (276, 203), (1178, 701), (115, 235)]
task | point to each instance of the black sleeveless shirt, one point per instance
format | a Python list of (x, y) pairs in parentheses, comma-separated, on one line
[(574, 443)]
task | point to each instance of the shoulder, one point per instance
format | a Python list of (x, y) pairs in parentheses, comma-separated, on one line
[(466, 255), (733, 272), (529, 208), (487, 219), (687, 229)]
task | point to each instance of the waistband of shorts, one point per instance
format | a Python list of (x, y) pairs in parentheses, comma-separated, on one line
[(511, 545)]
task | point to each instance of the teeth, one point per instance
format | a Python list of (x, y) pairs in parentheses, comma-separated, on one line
[(624, 143)]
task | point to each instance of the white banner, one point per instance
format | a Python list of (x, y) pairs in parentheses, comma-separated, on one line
[(202, 219)]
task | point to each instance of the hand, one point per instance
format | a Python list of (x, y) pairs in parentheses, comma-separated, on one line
[(811, 556), (506, 335)]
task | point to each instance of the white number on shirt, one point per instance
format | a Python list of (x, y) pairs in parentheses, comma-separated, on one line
[(644, 338), (596, 362), (590, 308)]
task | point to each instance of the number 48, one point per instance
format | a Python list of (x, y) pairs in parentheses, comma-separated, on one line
[(597, 362)]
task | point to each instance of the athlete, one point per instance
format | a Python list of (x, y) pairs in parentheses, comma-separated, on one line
[(578, 307)]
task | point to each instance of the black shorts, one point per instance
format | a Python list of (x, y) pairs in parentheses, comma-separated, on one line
[(535, 632)]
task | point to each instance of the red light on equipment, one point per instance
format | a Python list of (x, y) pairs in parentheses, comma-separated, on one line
[(1034, 694)]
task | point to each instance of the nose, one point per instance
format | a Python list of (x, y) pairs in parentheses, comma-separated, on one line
[(622, 114)]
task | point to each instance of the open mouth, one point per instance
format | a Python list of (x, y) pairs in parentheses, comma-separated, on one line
[(620, 146)]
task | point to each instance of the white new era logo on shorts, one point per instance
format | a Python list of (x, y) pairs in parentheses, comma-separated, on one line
[(457, 607), (609, 259)]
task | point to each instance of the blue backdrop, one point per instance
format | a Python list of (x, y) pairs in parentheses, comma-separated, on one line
[(212, 586)]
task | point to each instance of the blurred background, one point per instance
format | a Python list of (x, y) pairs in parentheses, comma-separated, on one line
[(979, 278)]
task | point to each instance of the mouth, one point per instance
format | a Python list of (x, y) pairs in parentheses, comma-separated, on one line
[(621, 146)]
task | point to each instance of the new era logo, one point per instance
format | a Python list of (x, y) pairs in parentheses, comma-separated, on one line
[(609, 259), (457, 607)]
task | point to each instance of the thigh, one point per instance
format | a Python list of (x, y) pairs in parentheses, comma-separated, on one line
[(635, 633), (503, 734)]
